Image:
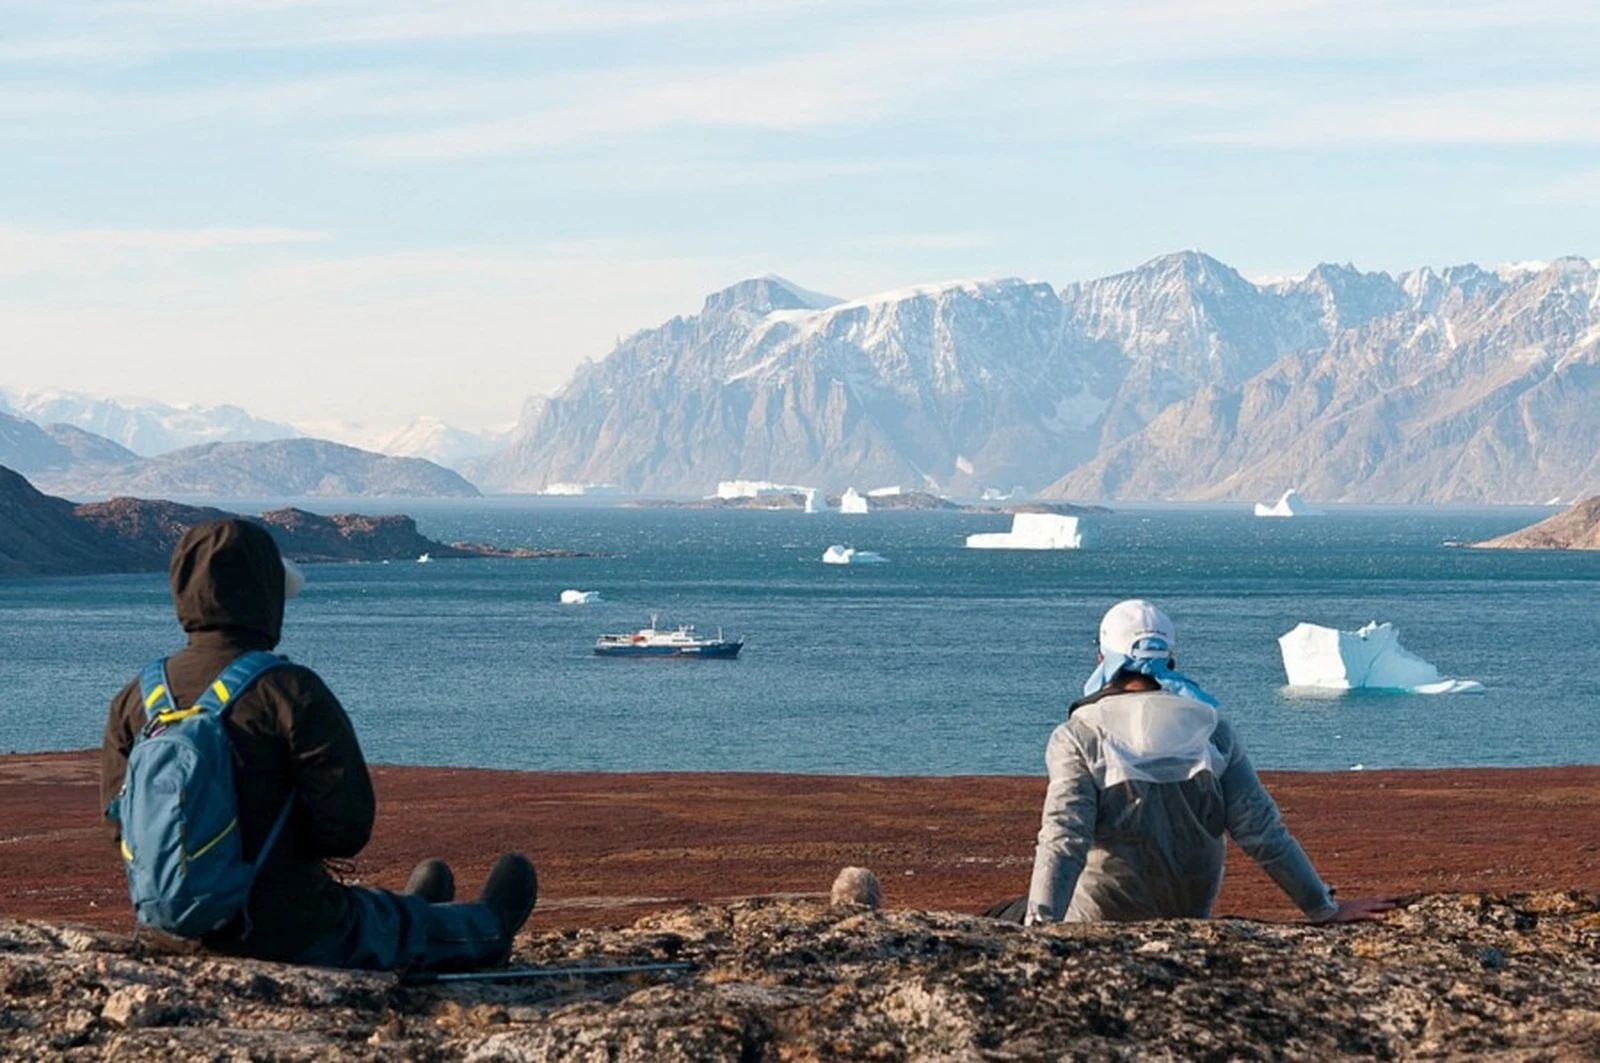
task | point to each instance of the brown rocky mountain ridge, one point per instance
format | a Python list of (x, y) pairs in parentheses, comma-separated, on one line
[(1575, 529), (45, 536)]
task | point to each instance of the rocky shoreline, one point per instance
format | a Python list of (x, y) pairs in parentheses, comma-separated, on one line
[(1577, 528), (45, 536), (1475, 976)]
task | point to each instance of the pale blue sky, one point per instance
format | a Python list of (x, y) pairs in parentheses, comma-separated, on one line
[(383, 209)]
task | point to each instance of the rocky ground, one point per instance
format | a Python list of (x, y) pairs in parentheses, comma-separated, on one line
[(1472, 976)]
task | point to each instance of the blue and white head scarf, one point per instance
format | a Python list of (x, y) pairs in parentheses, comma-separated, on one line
[(1152, 656)]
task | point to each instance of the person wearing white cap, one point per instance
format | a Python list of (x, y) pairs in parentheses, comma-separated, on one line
[(1146, 779)]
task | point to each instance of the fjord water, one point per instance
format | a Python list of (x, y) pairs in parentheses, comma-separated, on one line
[(944, 661)]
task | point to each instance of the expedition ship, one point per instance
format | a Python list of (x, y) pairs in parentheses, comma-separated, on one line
[(656, 642)]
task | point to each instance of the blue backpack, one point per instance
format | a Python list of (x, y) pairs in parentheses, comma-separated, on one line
[(178, 809)]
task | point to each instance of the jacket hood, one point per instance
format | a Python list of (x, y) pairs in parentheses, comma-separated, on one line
[(227, 575)]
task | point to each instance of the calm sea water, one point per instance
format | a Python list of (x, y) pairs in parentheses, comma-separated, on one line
[(945, 660)]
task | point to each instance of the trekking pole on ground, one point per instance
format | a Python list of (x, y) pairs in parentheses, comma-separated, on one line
[(512, 974)]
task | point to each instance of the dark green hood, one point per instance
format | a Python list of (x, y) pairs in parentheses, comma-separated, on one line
[(227, 576)]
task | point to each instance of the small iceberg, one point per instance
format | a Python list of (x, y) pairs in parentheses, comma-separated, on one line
[(851, 502), (1290, 505), (423, 559), (571, 597), (815, 502), (1372, 658), (849, 555), (1032, 531)]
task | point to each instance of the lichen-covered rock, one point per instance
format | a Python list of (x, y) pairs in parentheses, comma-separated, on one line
[(1446, 977)]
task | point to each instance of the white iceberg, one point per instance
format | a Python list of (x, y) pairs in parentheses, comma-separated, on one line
[(1290, 505), (423, 559), (734, 489), (851, 502), (1032, 531), (575, 490), (573, 597), (1369, 659), (815, 502), (849, 555)]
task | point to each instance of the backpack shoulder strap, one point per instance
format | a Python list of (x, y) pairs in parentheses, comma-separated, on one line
[(153, 688), (244, 670)]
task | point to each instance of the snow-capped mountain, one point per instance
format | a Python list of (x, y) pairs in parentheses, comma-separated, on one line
[(144, 426), (27, 448), (919, 386), (445, 444), (1178, 379), (1475, 388), (426, 437)]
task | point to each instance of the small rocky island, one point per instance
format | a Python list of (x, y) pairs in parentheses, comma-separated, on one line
[(41, 535), (1575, 529), (1447, 976)]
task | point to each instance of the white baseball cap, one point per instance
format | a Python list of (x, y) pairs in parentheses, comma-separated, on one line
[(1136, 628)]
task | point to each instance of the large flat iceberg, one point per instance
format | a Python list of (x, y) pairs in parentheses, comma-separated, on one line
[(1290, 505), (577, 597), (1032, 531), (849, 555), (1369, 659)]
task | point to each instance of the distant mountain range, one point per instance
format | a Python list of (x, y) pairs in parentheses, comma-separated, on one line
[(1180, 379), (143, 426), (73, 462), (148, 428)]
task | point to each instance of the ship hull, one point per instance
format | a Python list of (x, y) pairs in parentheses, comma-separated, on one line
[(716, 651)]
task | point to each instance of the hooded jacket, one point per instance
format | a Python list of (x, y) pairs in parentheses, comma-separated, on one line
[(1143, 787), (290, 736)]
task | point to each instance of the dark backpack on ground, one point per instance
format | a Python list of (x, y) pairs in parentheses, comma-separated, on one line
[(178, 810)]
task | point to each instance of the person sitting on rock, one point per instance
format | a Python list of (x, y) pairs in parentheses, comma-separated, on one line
[(1145, 778), (294, 748)]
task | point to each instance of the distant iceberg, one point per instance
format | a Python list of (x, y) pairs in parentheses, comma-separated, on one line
[(849, 555), (816, 502), (735, 489), (1032, 531), (1290, 505), (851, 502), (423, 559), (1369, 659), (579, 597), (575, 490)]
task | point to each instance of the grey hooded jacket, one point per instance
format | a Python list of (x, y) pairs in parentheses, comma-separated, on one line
[(1142, 787)]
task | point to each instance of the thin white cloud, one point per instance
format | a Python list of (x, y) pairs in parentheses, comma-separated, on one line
[(1558, 113), (32, 250), (146, 31), (960, 240)]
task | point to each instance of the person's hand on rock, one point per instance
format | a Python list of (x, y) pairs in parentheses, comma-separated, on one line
[(1360, 910)]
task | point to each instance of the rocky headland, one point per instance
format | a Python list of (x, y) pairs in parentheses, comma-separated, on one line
[(1474, 976), (45, 536), (1575, 529)]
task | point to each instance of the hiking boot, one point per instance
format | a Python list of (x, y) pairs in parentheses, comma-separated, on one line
[(433, 881), (510, 892)]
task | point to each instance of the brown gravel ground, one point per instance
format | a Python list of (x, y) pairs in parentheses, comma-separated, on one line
[(612, 847)]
